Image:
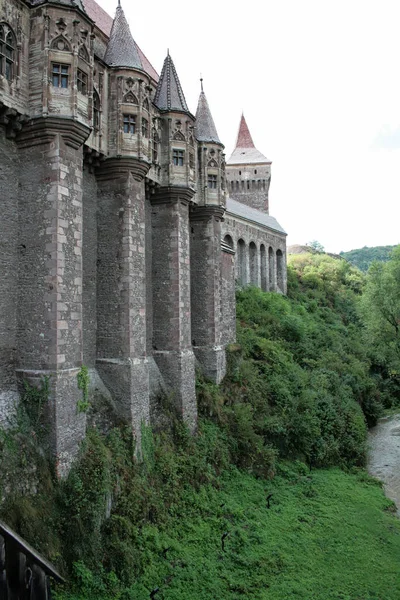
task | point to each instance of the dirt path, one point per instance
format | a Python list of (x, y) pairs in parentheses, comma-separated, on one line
[(384, 456)]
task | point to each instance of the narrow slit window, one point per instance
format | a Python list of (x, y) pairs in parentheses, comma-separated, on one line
[(82, 82), (145, 128)]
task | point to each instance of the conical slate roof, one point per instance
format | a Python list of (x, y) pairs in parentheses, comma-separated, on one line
[(122, 50), (245, 152), (205, 127), (169, 94)]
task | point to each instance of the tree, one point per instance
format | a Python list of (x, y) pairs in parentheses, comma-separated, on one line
[(315, 245)]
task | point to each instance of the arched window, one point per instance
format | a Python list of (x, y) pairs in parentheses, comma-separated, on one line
[(253, 264), (7, 51), (228, 240), (263, 269), (241, 263), (279, 270), (271, 269), (237, 186), (96, 110)]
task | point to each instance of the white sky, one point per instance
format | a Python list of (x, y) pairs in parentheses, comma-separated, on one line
[(319, 84)]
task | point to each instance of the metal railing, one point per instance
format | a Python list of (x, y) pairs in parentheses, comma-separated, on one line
[(24, 573)]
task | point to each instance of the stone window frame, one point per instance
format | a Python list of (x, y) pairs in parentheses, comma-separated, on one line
[(82, 80), (96, 110), (212, 181), (145, 128), (60, 72), (129, 123), (8, 51), (178, 157)]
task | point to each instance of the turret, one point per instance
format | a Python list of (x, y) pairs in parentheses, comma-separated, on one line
[(211, 157), (248, 172), (130, 113), (178, 143)]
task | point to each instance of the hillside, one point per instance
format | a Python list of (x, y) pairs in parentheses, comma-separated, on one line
[(193, 517), (362, 258)]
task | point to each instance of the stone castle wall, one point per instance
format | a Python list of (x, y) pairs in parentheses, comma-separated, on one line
[(110, 256)]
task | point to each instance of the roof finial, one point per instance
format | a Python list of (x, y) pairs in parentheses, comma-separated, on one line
[(201, 82), (119, 3), (167, 51)]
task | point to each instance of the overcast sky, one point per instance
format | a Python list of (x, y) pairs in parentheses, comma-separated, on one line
[(319, 85)]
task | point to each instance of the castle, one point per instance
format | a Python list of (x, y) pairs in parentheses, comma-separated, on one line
[(122, 228)]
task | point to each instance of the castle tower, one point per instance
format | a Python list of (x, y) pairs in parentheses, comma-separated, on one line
[(172, 340), (248, 172), (121, 273), (205, 221)]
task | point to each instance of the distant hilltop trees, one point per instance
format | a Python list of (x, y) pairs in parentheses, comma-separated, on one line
[(364, 257)]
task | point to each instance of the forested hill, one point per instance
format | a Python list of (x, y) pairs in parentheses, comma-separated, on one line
[(362, 258), (269, 500)]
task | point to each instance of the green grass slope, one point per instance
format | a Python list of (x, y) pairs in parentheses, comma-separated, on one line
[(294, 407)]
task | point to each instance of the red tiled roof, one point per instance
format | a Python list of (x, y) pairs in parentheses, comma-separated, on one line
[(104, 23), (244, 139)]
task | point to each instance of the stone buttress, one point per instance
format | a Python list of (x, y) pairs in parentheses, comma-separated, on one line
[(172, 339)]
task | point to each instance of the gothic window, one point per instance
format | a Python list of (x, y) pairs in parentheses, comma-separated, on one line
[(178, 157), (129, 123), (212, 182), (83, 53), (232, 185), (242, 185), (248, 184), (253, 259), (191, 160), (263, 184), (96, 110), (130, 98), (145, 128), (82, 81), (60, 75), (155, 146), (146, 104), (7, 51), (237, 186), (255, 171), (240, 172)]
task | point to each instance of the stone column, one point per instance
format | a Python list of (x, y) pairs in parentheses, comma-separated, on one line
[(205, 253), (50, 273), (121, 289), (172, 342)]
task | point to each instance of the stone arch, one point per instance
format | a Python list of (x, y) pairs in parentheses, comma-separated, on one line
[(228, 240), (253, 259), (83, 53), (263, 268), (60, 43), (146, 105), (241, 262), (130, 98), (271, 269), (279, 270)]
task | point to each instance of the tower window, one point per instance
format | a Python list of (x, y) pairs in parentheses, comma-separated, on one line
[(7, 52), (212, 182), (248, 184), (263, 183), (145, 128), (129, 123), (96, 110), (242, 185), (60, 75), (81, 81), (232, 185), (178, 157), (255, 171)]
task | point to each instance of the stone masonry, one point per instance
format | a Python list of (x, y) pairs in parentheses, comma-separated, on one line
[(123, 231)]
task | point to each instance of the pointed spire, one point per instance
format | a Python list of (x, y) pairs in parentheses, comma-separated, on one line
[(169, 94), (245, 151), (122, 50), (244, 139), (205, 127)]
